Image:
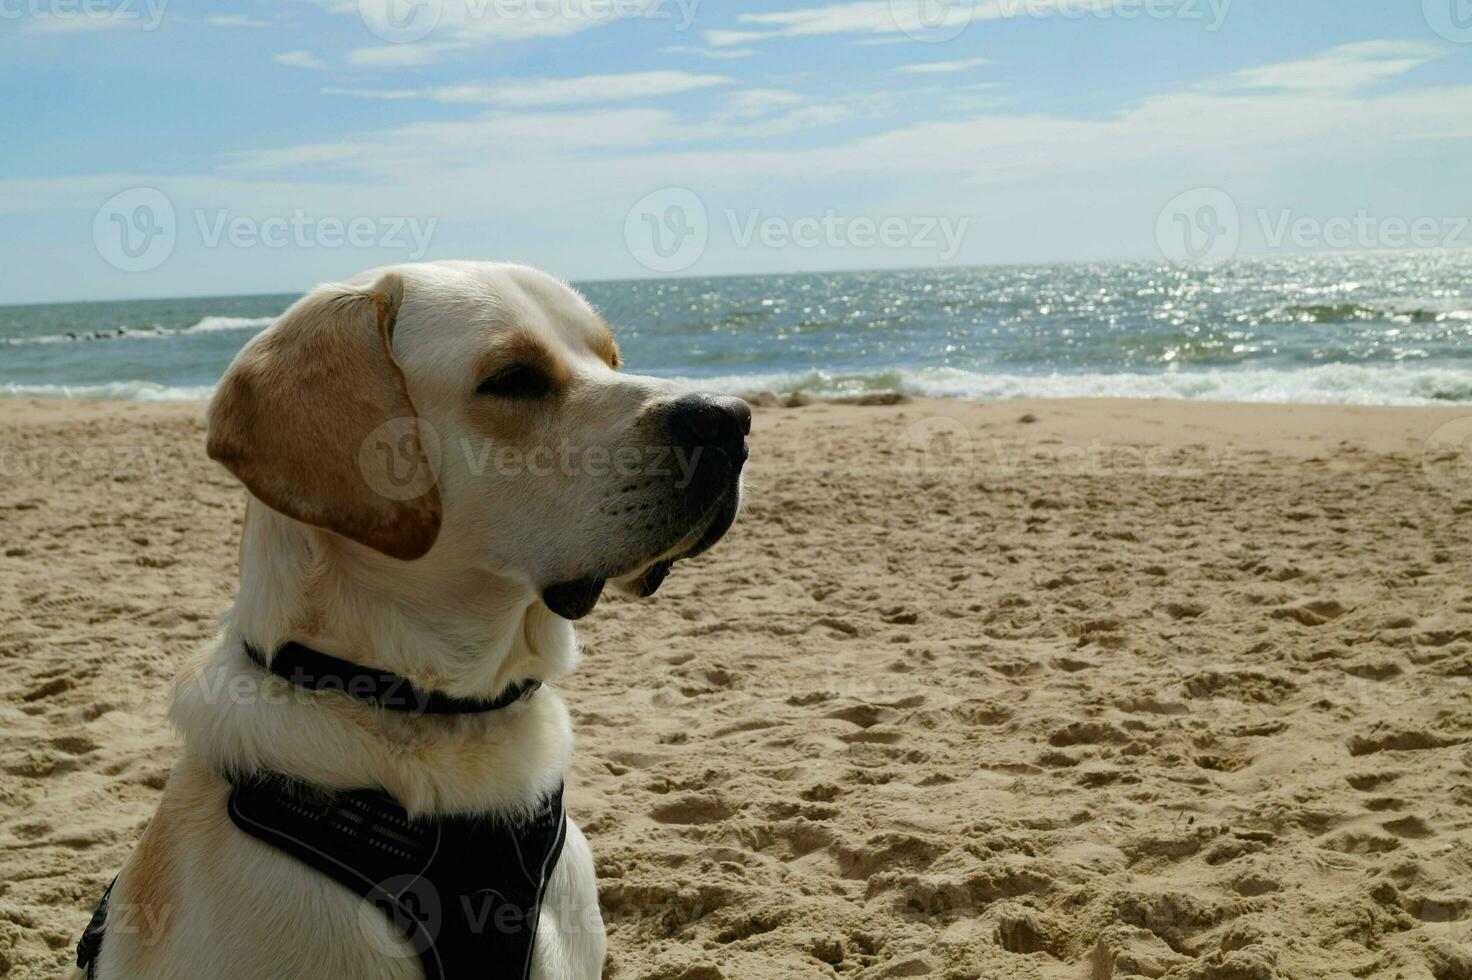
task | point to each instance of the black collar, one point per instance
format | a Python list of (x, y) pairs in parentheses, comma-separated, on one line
[(318, 671)]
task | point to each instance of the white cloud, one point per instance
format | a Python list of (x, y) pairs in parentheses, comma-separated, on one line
[(728, 54), (553, 91), (759, 102), (235, 20), (1220, 123), (944, 67), (300, 59), (399, 55), (915, 18), (456, 25), (1345, 68)]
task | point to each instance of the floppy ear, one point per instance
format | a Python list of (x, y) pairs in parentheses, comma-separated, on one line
[(293, 416)]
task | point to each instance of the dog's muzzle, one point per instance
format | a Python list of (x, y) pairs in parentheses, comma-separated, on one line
[(707, 434)]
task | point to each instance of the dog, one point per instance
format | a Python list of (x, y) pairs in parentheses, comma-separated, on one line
[(445, 467)]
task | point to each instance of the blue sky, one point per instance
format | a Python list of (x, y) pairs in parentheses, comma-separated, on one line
[(293, 141)]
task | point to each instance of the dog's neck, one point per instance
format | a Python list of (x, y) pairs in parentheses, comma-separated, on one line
[(445, 626), (466, 638)]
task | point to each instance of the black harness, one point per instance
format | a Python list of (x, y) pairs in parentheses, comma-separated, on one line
[(465, 892)]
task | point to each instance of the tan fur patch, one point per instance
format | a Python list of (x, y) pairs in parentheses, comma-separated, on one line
[(314, 417), (606, 347)]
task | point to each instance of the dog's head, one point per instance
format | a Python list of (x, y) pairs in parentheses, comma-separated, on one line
[(473, 416)]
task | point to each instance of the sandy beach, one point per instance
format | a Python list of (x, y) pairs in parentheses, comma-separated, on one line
[(1059, 689)]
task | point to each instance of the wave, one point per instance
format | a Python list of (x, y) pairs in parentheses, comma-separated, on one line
[(209, 324), (139, 391), (1360, 312), (215, 324), (1335, 384)]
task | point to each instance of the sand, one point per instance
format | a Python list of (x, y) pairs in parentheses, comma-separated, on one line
[(1051, 689)]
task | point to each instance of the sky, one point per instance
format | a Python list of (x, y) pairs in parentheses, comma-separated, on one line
[(166, 148)]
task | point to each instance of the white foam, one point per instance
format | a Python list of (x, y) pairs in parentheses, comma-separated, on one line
[(209, 324), (215, 324), (141, 391), (1331, 384)]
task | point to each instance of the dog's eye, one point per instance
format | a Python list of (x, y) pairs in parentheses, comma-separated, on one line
[(518, 381)]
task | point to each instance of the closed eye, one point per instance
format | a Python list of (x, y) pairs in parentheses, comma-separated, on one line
[(517, 381)]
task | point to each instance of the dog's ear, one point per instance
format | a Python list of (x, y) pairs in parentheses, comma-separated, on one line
[(293, 416)]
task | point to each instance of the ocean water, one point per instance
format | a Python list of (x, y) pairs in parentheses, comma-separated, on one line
[(1351, 329)]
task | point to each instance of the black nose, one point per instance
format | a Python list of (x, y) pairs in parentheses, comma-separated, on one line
[(716, 421)]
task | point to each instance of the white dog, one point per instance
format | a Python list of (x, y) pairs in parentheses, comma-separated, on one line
[(444, 468)]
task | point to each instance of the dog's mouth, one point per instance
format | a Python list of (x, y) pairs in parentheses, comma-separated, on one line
[(575, 599)]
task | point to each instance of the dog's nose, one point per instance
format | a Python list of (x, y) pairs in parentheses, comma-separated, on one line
[(716, 421)]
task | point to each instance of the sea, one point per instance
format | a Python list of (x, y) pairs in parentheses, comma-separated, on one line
[(1365, 329)]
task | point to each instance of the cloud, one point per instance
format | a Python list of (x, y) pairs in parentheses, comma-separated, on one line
[(729, 54), (399, 55), (235, 20), (300, 59), (553, 91), (457, 25), (916, 18), (1345, 68), (1219, 122), (759, 102), (944, 67)]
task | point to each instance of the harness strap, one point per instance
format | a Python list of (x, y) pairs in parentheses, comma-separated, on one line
[(465, 892), (90, 945), (317, 671)]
